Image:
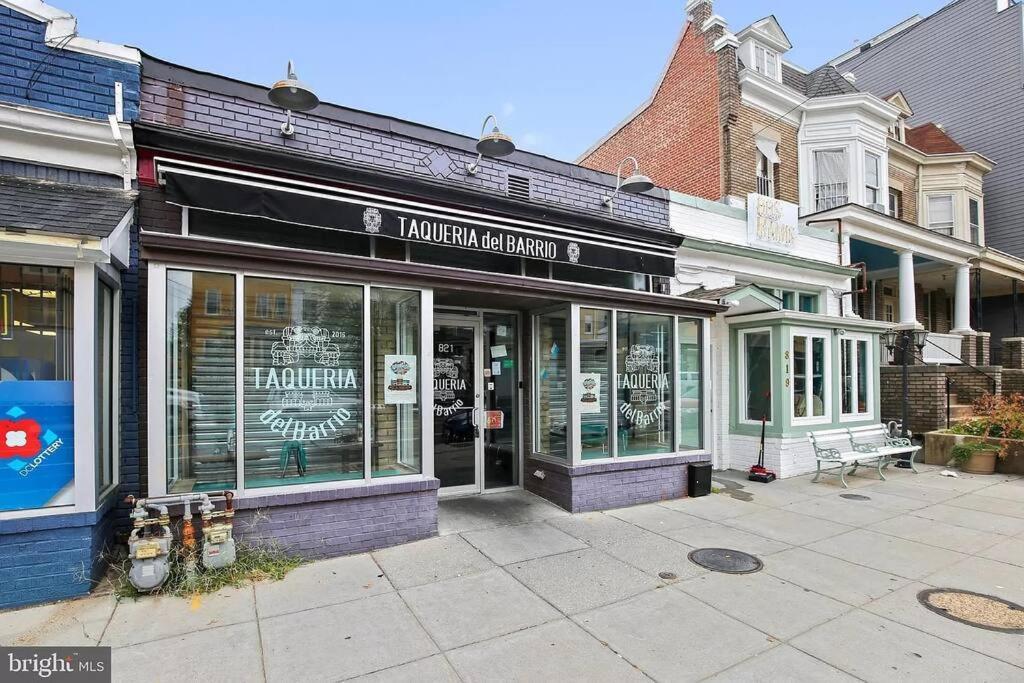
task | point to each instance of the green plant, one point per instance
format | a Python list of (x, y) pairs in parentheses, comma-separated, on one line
[(252, 563), (997, 417), (962, 452)]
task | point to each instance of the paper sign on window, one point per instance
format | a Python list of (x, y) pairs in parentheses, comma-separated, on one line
[(399, 379), (590, 393)]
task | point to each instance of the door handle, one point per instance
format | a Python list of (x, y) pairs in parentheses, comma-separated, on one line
[(476, 425)]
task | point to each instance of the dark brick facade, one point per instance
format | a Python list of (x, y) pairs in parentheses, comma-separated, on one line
[(34, 74), (609, 485), (927, 392), (341, 521)]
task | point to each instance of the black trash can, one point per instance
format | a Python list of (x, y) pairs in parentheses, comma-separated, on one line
[(698, 479)]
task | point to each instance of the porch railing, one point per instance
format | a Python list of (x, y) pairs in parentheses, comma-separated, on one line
[(765, 186), (830, 195)]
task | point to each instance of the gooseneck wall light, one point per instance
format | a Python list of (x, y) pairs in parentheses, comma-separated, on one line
[(636, 183), (291, 94), (494, 144)]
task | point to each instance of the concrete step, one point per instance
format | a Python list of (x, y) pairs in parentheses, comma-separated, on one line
[(961, 411)]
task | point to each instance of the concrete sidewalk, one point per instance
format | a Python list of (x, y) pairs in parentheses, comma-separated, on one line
[(516, 589)]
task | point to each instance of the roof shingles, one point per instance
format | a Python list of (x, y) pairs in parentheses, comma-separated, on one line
[(74, 210)]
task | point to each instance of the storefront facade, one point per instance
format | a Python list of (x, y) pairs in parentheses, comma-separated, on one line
[(341, 342), (790, 355), (67, 289)]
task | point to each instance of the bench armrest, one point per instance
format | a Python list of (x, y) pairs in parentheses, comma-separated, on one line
[(827, 453), (897, 442)]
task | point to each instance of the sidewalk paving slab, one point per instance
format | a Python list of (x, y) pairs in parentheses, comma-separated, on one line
[(787, 527), (230, 653), (343, 641), (581, 580), (655, 517), (1009, 490), (672, 636), (433, 559), (889, 554), (714, 507), (69, 622), (595, 528), (982, 575), (508, 544), (902, 606), (473, 608), (654, 554), (939, 534), (827, 575), (154, 617), (876, 649), (318, 584), (908, 488), (559, 651), (972, 519), (716, 535), (1010, 551), (883, 499), (782, 663), (843, 510), (983, 503), (471, 513), (434, 669), (765, 602)]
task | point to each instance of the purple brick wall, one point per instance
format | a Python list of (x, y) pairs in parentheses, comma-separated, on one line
[(341, 521), (256, 121), (610, 485)]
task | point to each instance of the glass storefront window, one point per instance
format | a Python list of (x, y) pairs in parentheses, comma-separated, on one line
[(105, 390), (853, 363), (809, 375), (594, 392), (303, 374), (37, 464), (691, 398), (756, 387), (395, 445), (501, 359), (201, 435), (551, 378), (644, 392)]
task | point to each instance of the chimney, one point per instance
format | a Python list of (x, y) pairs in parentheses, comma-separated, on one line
[(698, 11)]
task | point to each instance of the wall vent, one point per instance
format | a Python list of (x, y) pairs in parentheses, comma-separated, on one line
[(518, 187)]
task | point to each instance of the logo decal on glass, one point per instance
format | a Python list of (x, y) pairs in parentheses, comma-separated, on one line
[(573, 252), (646, 383), (447, 381), (372, 219)]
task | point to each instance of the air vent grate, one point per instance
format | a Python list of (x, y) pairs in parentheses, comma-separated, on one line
[(518, 186)]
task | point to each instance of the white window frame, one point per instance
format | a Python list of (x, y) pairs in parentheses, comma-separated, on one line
[(761, 55), (974, 229), (741, 363), (810, 333), (894, 205), (875, 189), (952, 211), (765, 171), (219, 298), (853, 338)]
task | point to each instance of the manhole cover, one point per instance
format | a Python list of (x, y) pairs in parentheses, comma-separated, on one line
[(725, 560), (668, 576), (854, 496), (974, 609)]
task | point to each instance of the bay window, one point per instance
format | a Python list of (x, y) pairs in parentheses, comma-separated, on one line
[(872, 180), (691, 379), (595, 382), (831, 174), (551, 377), (756, 375), (644, 392), (855, 376), (974, 217)]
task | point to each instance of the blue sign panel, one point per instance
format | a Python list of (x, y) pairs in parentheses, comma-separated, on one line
[(37, 453)]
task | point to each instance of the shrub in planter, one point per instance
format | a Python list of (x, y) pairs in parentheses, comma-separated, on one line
[(976, 457)]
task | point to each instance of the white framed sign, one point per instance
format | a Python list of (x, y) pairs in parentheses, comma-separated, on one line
[(589, 393), (399, 379)]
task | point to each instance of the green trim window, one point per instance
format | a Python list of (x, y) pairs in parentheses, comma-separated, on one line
[(796, 300), (756, 375), (855, 376), (809, 379), (691, 379)]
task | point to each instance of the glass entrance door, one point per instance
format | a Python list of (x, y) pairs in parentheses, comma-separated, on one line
[(457, 404)]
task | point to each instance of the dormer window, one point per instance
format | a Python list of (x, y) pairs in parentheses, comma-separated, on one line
[(766, 62)]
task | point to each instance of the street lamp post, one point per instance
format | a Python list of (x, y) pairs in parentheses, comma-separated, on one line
[(904, 339)]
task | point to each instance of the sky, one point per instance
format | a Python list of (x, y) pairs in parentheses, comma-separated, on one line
[(558, 74)]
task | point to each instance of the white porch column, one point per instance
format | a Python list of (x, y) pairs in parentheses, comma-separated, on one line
[(962, 301), (908, 304)]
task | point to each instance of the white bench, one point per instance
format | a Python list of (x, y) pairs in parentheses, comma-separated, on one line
[(858, 446)]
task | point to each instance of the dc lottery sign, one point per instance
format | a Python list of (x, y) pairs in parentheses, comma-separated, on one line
[(37, 454)]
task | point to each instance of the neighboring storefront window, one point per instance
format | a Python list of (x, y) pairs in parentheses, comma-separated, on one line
[(595, 383), (691, 397), (395, 339), (303, 375), (644, 393), (756, 375), (551, 378), (855, 361), (106, 392), (201, 437), (809, 376), (37, 464)]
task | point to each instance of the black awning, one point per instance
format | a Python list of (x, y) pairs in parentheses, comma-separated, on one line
[(330, 208)]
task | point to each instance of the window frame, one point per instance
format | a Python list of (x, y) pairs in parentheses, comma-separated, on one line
[(157, 387), (810, 333), (895, 204), (761, 55), (870, 190), (974, 223), (742, 384), (930, 224), (854, 338)]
